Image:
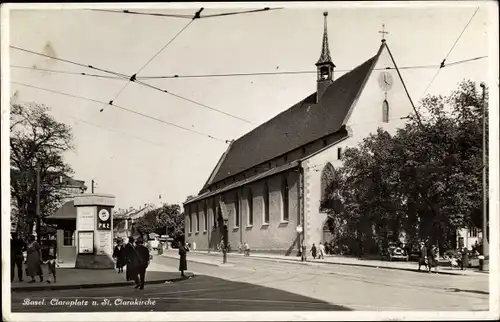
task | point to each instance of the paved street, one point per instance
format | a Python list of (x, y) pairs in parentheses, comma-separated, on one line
[(249, 284)]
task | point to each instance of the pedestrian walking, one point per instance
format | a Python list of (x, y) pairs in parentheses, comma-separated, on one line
[(433, 258), (144, 257), (247, 249), (303, 258), (17, 247), (423, 260), (465, 259), (34, 259), (313, 251), (322, 250), (194, 246), (182, 257), (119, 256), (51, 263), (131, 259)]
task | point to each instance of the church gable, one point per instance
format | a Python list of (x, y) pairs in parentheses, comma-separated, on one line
[(383, 98)]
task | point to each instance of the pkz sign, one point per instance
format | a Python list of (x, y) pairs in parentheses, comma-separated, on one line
[(103, 218)]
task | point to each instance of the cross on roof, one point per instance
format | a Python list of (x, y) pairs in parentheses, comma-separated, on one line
[(383, 32)]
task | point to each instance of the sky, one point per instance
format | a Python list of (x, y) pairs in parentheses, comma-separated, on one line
[(138, 159)]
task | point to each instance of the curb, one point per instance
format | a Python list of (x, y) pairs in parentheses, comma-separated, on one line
[(52, 287), (282, 260), (199, 261), (355, 264)]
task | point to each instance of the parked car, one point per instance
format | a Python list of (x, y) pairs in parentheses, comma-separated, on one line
[(395, 252)]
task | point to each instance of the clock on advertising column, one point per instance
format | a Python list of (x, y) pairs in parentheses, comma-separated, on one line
[(103, 219)]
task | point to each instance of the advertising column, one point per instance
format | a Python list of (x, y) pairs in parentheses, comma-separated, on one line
[(104, 239)]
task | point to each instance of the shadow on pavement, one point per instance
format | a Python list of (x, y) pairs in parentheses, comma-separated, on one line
[(456, 290), (200, 293)]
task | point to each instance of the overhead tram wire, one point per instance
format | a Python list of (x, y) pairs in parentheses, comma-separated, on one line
[(111, 130), (120, 75), (192, 101), (133, 77), (185, 16), (443, 63), (122, 108), (126, 77), (144, 13)]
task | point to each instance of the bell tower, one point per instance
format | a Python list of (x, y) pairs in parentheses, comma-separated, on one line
[(324, 65)]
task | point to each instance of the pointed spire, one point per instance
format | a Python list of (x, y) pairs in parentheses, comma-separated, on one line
[(325, 50)]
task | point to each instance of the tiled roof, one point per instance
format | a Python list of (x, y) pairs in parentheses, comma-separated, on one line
[(299, 125), (240, 183), (67, 211)]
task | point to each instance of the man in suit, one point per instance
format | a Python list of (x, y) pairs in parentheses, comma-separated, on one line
[(143, 263), (17, 247)]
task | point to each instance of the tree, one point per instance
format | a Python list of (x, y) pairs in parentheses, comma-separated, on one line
[(166, 219), (424, 180), (37, 142)]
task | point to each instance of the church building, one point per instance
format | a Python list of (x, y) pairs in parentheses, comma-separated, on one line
[(268, 185)]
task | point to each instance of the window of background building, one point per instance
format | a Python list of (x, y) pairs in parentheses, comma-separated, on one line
[(250, 207), (284, 198), (339, 153), (197, 218), (237, 211), (68, 238), (190, 223), (214, 210), (266, 203), (205, 216)]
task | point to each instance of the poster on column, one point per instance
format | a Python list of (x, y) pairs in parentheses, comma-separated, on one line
[(85, 218), (104, 242), (85, 242)]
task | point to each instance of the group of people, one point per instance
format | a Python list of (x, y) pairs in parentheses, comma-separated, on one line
[(429, 257), (320, 251), (136, 257), (34, 259)]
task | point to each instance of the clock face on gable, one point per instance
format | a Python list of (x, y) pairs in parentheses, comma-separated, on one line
[(385, 81)]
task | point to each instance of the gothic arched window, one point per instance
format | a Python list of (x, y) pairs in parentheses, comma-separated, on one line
[(385, 111), (326, 178), (284, 198)]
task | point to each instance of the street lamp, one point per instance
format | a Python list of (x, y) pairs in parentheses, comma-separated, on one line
[(299, 232), (485, 191)]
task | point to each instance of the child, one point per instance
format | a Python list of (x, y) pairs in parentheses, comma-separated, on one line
[(51, 265)]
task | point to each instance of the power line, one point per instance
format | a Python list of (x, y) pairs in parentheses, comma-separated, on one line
[(70, 62), (133, 77), (184, 16), (442, 65), (123, 76), (192, 101), (120, 107), (144, 13), (111, 130), (126, 77)]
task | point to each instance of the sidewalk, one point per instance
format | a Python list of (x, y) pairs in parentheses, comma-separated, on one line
[(73, 278), (215, 259)]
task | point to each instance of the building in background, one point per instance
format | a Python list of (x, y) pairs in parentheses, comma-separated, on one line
[(268, 185)]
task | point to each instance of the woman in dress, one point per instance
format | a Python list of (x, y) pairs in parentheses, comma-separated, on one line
[(183, 255), (119, 256), (33, 259)]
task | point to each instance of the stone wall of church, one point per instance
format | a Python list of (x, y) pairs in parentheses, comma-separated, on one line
[(278, 235), (364, 119)]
